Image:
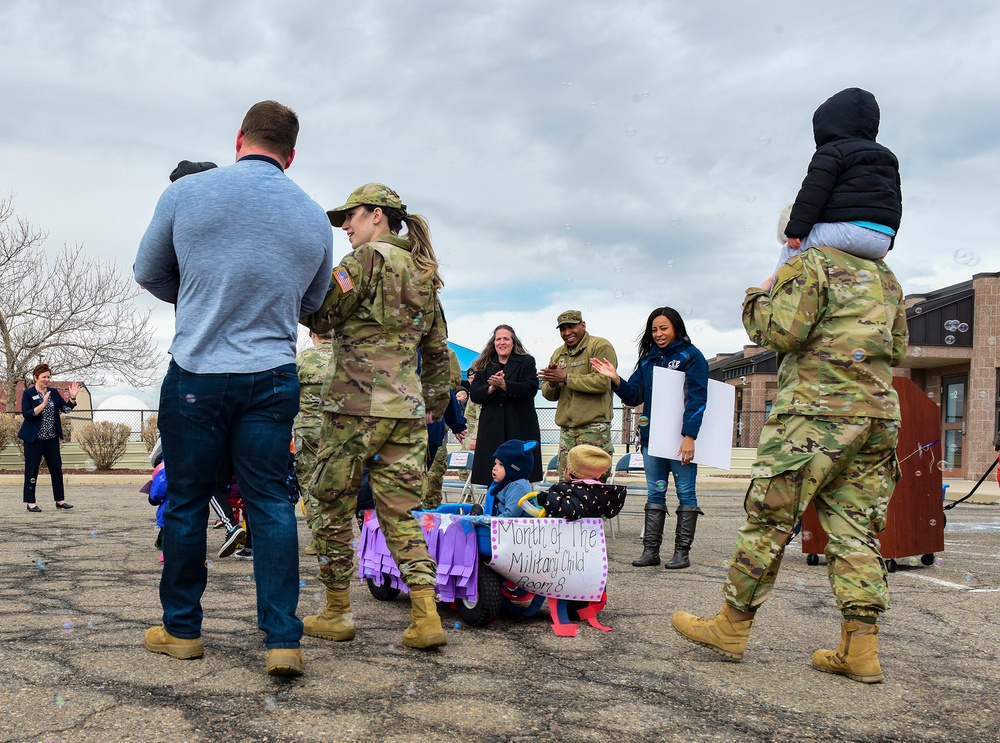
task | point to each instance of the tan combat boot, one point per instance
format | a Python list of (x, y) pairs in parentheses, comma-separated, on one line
[(335, 622), (726, 633), (857, 656), (425, 629)]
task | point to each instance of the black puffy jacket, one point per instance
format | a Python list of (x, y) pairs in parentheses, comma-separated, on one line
[(851, 178)]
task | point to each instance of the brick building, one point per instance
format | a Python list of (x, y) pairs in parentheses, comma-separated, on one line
[(952, 356)]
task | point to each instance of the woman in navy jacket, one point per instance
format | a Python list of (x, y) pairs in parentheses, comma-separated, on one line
[(665, 343), (41, 433)]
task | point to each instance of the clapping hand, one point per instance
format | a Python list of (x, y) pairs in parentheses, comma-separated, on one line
[(498, 382)]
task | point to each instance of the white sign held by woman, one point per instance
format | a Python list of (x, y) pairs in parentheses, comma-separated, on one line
[(714, 445)]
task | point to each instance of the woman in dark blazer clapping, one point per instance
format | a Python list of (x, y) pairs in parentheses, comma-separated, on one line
[(41, 433), (504, 382)]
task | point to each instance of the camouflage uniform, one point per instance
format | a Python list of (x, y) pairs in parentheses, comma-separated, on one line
[(381, 313), (840, 324), (583, 410), (316, 366)]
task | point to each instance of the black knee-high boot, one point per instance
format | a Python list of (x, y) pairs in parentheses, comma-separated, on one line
[(656, 514), (687, 521)]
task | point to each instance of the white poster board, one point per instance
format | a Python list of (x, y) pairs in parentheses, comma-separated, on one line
[(552, 557), (714, 446)]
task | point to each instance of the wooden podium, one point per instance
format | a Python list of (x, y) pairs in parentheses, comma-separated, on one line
[(915, 521)]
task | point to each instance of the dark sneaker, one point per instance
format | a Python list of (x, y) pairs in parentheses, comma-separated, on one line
[(234, 540), (244, 554)]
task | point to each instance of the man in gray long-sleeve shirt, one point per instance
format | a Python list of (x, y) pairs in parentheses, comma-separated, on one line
[(243, 252)]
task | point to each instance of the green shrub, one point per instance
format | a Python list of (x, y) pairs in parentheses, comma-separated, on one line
[(8, 430), (104, 442), (150, 433)]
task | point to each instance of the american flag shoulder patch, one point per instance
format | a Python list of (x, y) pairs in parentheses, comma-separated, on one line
[(343, 279)]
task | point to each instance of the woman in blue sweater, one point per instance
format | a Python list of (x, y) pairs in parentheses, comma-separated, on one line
[(665, 343)]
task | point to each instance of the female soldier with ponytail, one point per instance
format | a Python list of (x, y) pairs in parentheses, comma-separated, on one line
[(382, 307)]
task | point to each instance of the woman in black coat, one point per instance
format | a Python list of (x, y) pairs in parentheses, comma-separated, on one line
[(504, 383), (41, 433)]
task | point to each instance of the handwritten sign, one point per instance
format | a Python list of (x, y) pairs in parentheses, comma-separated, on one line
[(459, 459), (552, 557)]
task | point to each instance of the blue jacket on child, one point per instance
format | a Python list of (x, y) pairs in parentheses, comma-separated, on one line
[(683, 357)]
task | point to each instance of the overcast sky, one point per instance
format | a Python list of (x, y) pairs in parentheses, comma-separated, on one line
[(603, 156)]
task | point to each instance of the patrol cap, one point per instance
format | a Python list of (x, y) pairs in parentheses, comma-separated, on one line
[(371, 194), (569, 317)]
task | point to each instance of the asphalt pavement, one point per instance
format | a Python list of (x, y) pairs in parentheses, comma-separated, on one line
[(78, 589)]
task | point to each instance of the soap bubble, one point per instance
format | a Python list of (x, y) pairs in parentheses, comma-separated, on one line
[(799, 584), (932, 522), (964, 257), (918, 310), (764, 141), (943, 465), (191, 399), (806, 536), (630, 132), (643, 420), (354, 544), (411, 688), (618, 269), (60, 701), (969, 578), (661, 158), (930, 395), (248, 578), (991, 341), (917, 473), (963, 327), (951, 325), (669, 264), (89, 464), (674, 220), (323, 560), (858, 354), (661, 485), (917, 351), (93, 535), (949, 339), (939, 562), (302, 583), (40, 565), (270, 703), (751, 197), (619, 294), (208, 563), (67, 625)]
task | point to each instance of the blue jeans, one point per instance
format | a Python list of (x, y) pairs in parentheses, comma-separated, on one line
[(200, 416), (658, 472)]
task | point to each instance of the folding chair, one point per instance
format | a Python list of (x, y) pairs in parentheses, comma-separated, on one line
[(461, 461), (553, 463), (631, 462)]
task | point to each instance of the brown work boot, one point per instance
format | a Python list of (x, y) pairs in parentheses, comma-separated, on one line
[(726, 633), (335, 622), (284, 662), (311, 549), (857, 656), (158, 640), (425, 629)]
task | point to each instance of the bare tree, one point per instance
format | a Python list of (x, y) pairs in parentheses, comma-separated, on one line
[(76, 312)]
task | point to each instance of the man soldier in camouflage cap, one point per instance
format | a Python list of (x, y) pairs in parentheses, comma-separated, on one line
[(382, 307), (583, 397), (840, 325), (316, 366)]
